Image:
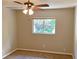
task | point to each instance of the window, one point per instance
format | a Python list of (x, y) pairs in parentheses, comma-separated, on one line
[(44, 26)]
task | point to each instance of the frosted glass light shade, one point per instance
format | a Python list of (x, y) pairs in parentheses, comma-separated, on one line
[(31, 12), (25, 11)]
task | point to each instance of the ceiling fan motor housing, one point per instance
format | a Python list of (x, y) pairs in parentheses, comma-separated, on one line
[(29, 4)]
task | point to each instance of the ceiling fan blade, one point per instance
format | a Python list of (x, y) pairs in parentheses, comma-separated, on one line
[(35, 8), (42, 5), (18, 2)]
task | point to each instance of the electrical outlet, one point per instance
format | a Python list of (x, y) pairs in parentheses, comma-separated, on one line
[(64, 49), (43, 45)]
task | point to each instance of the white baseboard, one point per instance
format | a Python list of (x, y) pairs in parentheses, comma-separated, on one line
[(36, 51), (9, 53), (45, 51)]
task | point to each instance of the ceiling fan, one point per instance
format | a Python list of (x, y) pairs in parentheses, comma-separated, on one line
[(29, 6)]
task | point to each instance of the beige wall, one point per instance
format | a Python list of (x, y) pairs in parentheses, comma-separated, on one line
[(62, 41), (9, 31)]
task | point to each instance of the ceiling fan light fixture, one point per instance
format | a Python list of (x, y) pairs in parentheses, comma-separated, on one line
[(29, 6), (30, 11)]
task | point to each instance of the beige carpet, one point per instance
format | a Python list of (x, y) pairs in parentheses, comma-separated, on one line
[(36, 55), (29, 57)]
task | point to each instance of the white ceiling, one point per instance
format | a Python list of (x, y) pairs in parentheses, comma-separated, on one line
[(52, 3)]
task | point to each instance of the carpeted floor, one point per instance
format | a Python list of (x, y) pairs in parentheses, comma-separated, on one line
[(35, 55)]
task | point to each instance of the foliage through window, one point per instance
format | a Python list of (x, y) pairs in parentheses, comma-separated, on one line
[(44, 26)]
